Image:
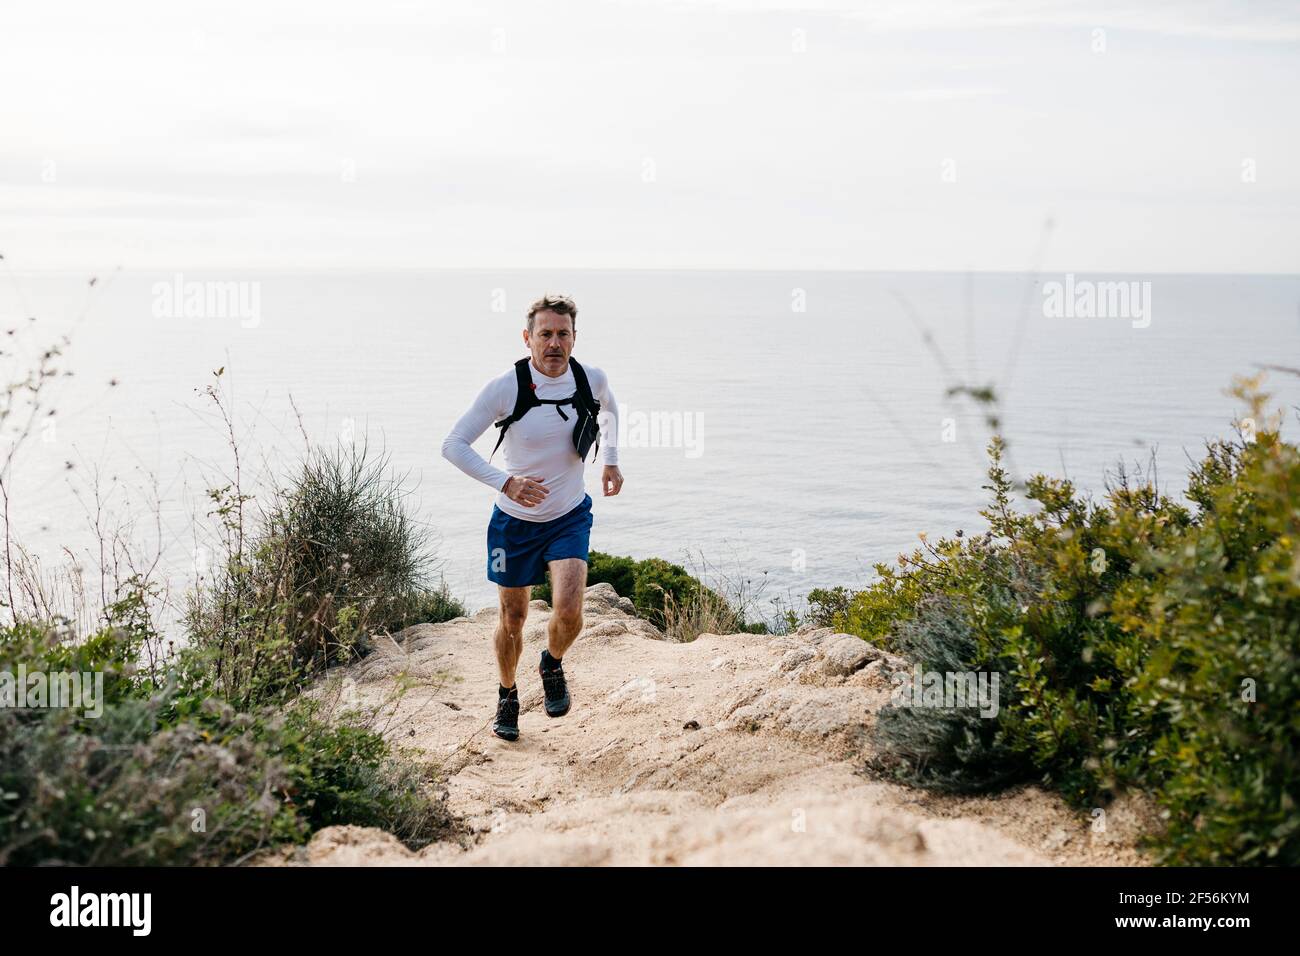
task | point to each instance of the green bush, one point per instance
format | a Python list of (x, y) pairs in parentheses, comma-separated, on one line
[(335, 558), (824, 606), (344, 773), (174, 775), (1222, 682), (424, 606), (210, 754), (670, 597), (619, 572), (660, 584), (954, 750), (127, 789), (112, 652), (1130, 635), (651, 584)]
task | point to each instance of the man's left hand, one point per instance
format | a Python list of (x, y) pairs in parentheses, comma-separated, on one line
[(611, 480)]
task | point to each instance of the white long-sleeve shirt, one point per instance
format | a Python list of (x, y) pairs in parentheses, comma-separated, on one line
[(538, 445)]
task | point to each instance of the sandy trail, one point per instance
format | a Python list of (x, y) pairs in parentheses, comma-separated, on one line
[(739, 749)]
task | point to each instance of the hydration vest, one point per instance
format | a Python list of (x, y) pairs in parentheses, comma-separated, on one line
[(586, 431)]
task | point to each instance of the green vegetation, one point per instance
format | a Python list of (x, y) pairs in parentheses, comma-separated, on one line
[(1142, 642), (824, 606), (670, 597), (208, 753), (173, 774), (335, 559)]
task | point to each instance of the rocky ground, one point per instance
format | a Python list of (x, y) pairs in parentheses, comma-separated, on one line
[(733, 749)]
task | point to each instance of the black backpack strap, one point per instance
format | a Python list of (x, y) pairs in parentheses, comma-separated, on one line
[(525, 399), (584, 388), (584, 399)]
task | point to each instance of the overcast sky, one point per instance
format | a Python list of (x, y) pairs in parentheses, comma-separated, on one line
[(897, 135)]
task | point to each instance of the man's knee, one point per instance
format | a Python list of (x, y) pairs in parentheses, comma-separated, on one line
[(568, 618), (513, 618)]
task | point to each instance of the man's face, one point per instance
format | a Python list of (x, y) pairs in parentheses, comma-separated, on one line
[(551, 341)]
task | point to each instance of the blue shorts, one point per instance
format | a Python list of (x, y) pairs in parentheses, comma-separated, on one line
[(518, 550)]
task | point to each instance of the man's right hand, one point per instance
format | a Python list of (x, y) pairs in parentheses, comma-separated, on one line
[(526, 490)]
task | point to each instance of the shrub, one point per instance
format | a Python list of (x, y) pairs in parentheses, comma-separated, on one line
[(1141, 643), (651, 583), (949, 749), (344, 773), (335, 558), (177, 776), (663, 587), (669, 596), (825, 605), (209, 754), (701, 612), (619, 572), (127, 790), (1027, 601), (112, 652), (1222, 682), (431, 605)]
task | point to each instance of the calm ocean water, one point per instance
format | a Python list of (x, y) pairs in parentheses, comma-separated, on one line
[(818, 436)]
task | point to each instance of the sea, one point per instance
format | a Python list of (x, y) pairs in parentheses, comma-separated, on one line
[(780, 431)]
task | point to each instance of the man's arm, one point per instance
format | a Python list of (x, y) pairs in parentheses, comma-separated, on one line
[(608, 420), (458, 446), (611, 478)]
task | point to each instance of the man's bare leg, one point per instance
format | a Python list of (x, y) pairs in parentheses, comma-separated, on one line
[(510, 631), (568, 585)]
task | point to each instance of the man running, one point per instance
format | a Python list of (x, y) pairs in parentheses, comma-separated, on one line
[(542, 516)]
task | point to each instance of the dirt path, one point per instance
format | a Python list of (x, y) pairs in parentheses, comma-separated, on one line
[(737, 749)]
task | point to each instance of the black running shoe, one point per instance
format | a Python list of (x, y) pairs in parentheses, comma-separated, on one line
[(555, 688), (506, 726)]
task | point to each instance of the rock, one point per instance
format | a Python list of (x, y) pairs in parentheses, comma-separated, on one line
[(786, 642), (603, 593), (892, 664), (409, 637), (817, 714), (808, 630), (776, 779), (378, 668), (793, 659), (605, 629), (840, 655), (356, 846), (644, 628), (746, 696), (638, 690), (843, 654), (604, 596), (1056, 840)]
